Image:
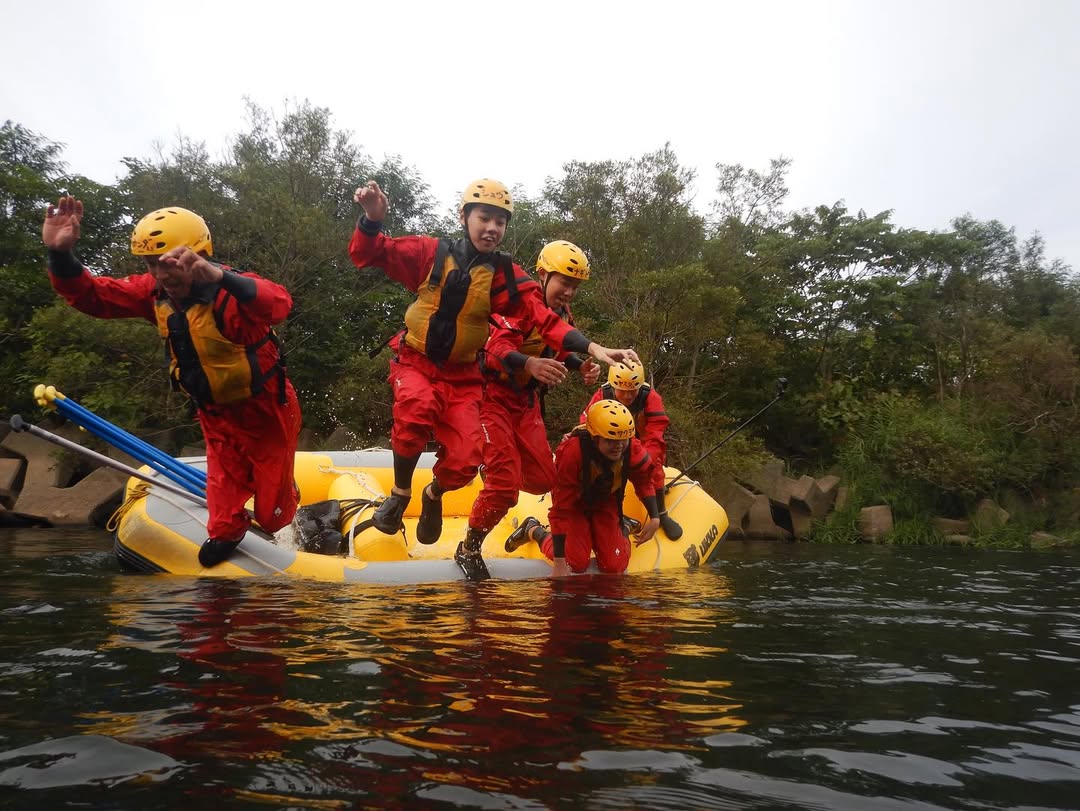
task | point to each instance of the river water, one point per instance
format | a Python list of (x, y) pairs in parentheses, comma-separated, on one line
[(783, 677)]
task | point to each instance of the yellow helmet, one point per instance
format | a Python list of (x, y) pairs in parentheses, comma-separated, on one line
[(563, 257), (488, 192), (627, 376), (609, 419), (167, 228)]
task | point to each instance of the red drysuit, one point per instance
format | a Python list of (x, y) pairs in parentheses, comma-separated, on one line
[(586, 502), (250, 444), (442, 397)]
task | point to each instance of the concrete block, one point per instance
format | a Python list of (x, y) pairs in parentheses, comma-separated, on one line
[(84, 504), (875, 523), (759, 521), (47, 465), (771, 481), (829, 485), (810, 498), (802, 519), (736, 501), (11, 474)]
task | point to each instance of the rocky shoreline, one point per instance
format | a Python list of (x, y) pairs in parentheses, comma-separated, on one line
[(43, 485)]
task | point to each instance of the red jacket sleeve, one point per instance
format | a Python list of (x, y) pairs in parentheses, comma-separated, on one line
[(247, 322), (654, 423), (404, 259), (566, 495), (506, 336), (641, 473), (106, 297), (563, 355), (529, 307)]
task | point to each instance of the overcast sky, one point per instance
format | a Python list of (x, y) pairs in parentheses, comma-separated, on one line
[(932, 108)]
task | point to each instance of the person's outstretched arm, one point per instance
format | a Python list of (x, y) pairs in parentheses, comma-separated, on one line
[(99, 296), (404, 259)]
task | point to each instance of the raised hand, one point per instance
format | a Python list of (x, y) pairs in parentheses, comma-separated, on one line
[(373, 200), (590, 371), (63, 223), (548, 371)]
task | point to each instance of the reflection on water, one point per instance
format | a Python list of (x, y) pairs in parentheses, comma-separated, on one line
[(787, 676), (460, 678)]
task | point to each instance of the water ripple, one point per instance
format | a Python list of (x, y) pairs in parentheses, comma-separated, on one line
[(788, 677)]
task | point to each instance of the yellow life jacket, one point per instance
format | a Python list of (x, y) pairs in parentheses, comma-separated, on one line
[(449, 319), (600, 477), (205, 364)]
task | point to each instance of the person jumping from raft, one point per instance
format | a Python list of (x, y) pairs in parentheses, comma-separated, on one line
[(434, 374)]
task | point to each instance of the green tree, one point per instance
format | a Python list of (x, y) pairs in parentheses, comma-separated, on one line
[(281, 205), (31, 176)]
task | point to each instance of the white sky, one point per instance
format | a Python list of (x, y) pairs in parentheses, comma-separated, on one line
[(932, 108)]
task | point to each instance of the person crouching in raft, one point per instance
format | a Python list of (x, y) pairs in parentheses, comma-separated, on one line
[(626, 383), (434, 373), (519, 368), (216, 324), (593, 464)]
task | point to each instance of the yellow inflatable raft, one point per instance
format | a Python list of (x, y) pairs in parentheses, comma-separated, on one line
[(156, 531)]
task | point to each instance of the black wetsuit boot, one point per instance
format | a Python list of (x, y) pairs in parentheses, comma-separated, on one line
[(468, 555), (667, 523)]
